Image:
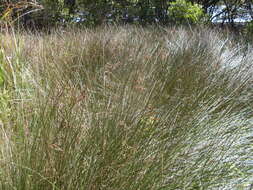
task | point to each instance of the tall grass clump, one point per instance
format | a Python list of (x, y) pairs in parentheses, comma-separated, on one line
[(125, 108)]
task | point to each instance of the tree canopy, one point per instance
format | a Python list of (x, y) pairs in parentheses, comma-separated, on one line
[(45, 13)]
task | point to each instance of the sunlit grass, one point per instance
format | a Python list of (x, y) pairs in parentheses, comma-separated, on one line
[(125, 108)]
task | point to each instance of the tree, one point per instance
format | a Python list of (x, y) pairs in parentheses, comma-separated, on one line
[(70, 4), (47, 13)]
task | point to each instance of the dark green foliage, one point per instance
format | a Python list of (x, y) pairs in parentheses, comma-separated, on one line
[(48, 13)]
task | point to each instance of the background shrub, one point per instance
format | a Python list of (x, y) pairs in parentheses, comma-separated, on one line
[(185, 12)]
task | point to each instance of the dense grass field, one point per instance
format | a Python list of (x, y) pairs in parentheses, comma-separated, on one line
[(125, 108)]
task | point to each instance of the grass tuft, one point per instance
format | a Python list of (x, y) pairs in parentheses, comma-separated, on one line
[(125, 108)]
